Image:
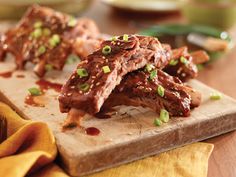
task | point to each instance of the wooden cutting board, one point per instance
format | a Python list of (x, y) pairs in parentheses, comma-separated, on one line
[(127, 136)]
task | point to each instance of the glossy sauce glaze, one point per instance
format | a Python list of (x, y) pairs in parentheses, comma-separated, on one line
[(45, 85), (92, 131)]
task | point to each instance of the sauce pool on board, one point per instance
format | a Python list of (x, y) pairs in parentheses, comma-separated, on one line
[(92, 131)]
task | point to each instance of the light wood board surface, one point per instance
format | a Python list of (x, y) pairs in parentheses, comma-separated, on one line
[(127, 136)]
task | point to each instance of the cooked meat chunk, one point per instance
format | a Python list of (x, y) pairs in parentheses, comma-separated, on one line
[(159, 91), (181, 65), (95, 78), (46, 37)]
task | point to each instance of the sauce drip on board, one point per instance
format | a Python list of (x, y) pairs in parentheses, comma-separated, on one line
[(45, 85), (6, 74), (92, 131)]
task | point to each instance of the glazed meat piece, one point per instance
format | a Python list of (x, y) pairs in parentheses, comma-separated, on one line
[(159, 91), (46, 38), (96, 77), (181, 64)]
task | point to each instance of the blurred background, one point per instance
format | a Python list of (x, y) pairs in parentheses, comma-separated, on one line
[(199, 24)]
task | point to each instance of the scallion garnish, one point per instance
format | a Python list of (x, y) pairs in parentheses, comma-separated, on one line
[(149, 67), (114, 38), (48, 67), (160, 90), (106, 50), (153, 74), (173, 62), (35, 91), (72, 59), (183, 60), (41, 50), (84, 87), (215, 96), (36, 33), (164, 116), (54, 40), (126, 37), (106, 69), (157, 122), (38, 24), (72, 22), (82, 72), (46, 32)]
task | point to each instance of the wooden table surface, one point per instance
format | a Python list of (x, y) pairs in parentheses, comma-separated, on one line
[(220, 75)]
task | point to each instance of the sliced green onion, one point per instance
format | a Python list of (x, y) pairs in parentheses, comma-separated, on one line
[(72, 59), (126, 37), (82, 72), (46, 31), (84, 87), (54, 40), (149, 67), (72, 22), (106, 69), (173, 62), (106, 50), (164, 116), (183, 60), (157, 122), (153, 74), (160, 91), (48, 67), (41, 50), (114, 38), (38, 24), (35, 91), (36, 33), (215, 96)]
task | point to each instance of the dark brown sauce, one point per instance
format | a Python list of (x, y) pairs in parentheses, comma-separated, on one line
[(45, 85), (105, 113), (92, 131), (20, 76), (29, 100), (7, 74)]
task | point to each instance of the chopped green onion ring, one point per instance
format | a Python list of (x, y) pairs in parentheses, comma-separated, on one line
[(84, 87), (215, 96), (106, 69), (161, 91), (183, 60), (35, 91), (38, 24), (106, 50), (126, 37), (82, 72), (157, 122), (173, 62), (153, 74), (164, 116)]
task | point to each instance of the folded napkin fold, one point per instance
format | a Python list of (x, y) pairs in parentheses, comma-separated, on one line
[(30, 149)]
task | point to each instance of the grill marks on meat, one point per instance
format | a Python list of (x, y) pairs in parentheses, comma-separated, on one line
[(136, 89), (19, 41), (125, 57)]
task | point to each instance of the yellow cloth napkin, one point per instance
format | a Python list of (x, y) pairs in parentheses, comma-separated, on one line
[(30, 149)]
